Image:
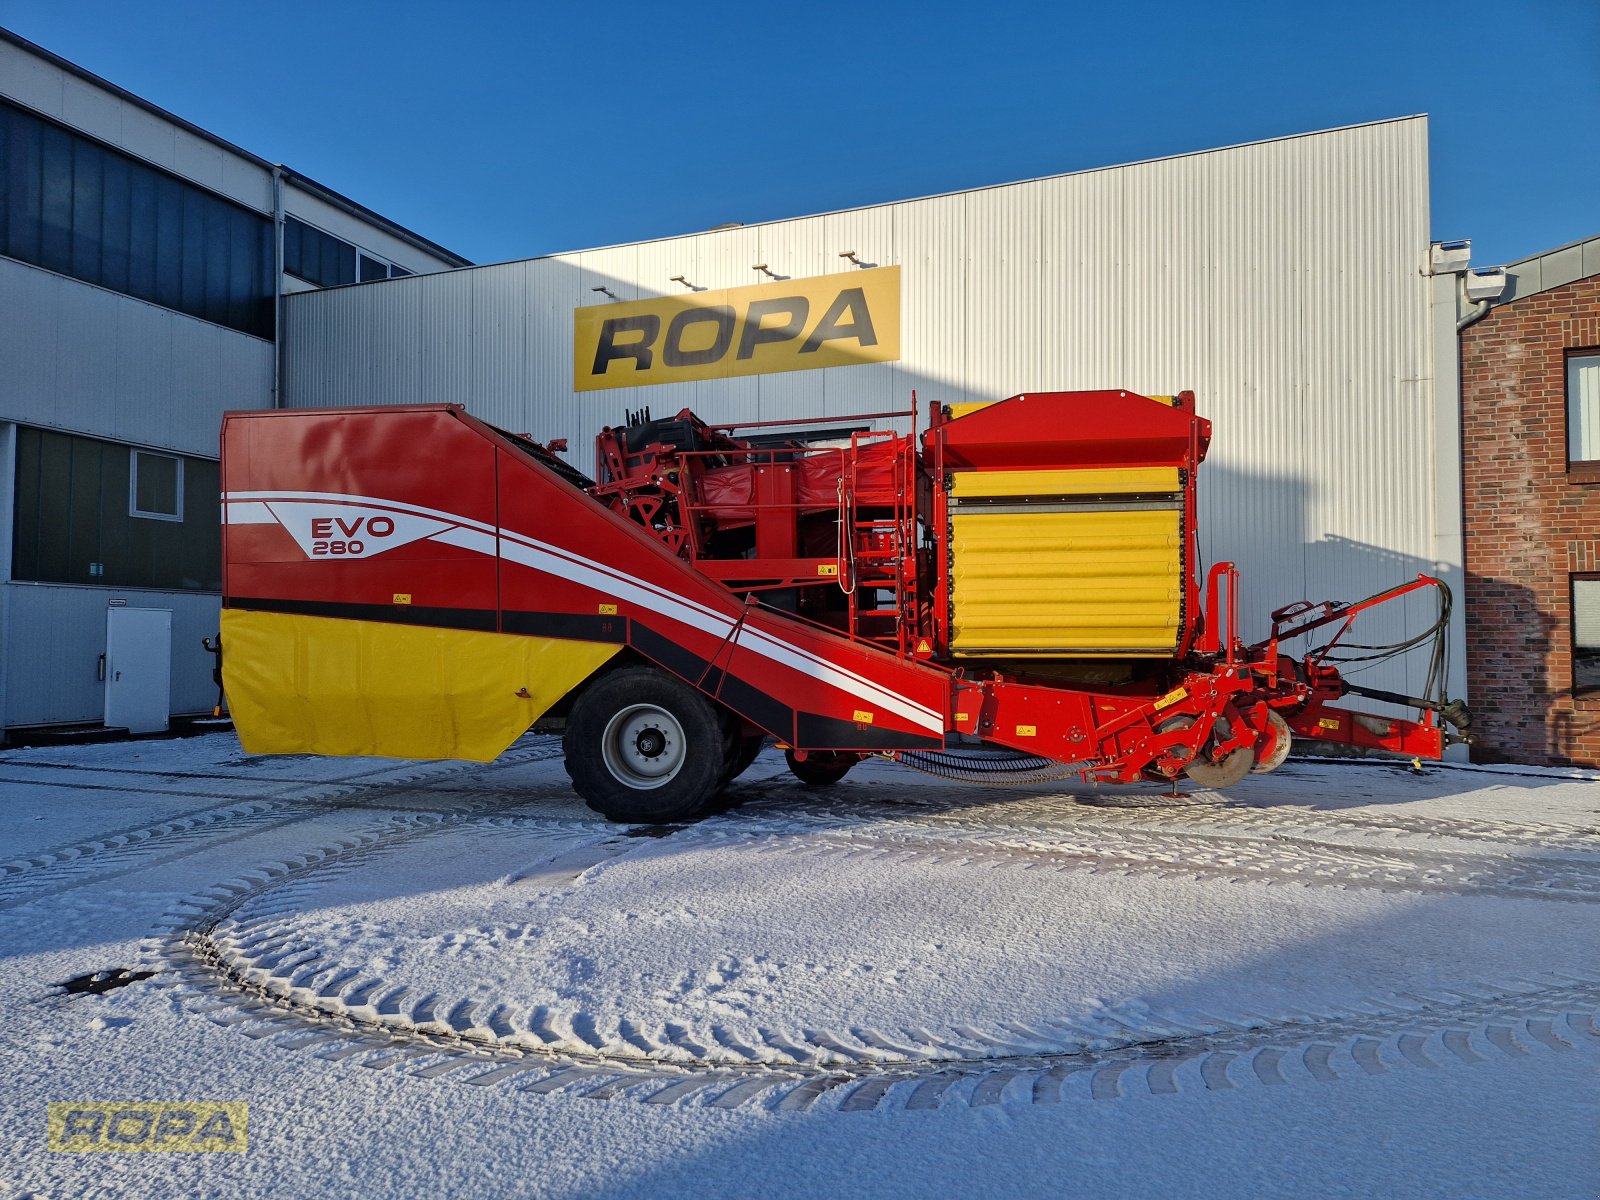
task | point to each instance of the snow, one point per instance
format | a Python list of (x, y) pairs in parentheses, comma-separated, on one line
[(1344, 979)]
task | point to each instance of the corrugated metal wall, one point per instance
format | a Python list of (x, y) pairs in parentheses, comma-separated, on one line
[(52, 676), (86, 359), (1281, 281)]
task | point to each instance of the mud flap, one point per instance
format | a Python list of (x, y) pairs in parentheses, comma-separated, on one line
[(320, 685)]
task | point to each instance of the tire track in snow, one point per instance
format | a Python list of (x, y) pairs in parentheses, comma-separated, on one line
[(239, 974), (118, 852), (979, 810), (1205, 856)]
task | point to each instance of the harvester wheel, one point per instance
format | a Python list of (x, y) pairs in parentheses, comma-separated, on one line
[(1222, 774), (821, 769), (1270, 758), (642, 746)]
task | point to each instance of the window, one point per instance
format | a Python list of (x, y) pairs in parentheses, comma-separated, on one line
[(1583, 407), (74, 206), (327, 261), (155, 489), (93, 512), (1586, 633)]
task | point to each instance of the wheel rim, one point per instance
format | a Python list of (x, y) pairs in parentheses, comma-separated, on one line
[(643, 746)]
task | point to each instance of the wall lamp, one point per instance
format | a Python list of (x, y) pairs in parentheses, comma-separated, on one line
[(605, 290)]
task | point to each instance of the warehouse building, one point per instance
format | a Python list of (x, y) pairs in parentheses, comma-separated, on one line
[(1291, 284), (141, 263), (1530, 364)]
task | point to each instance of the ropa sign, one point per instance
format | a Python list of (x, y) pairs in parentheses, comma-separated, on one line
[(795, 325)]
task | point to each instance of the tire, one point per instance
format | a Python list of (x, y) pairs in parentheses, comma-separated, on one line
[(743, 754), (644, 747), (821, 769)]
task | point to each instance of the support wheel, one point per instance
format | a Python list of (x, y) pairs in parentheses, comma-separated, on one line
[(821, 769), (1271, 757), (1222, 774), (642, 746)]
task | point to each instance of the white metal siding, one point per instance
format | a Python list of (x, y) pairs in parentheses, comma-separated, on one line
[(74, 356), (1280, 281), (52, 675)]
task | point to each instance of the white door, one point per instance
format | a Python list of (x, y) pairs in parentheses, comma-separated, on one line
[(138, 669)]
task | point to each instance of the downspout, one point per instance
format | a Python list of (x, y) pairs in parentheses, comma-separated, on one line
[(277, 287), (1476, 312)]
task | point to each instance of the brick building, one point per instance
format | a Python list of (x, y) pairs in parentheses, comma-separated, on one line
[(1530, 396)]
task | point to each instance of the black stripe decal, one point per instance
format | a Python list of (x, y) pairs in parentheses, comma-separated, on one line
[(477, 619), (574, 627), (817, 732)]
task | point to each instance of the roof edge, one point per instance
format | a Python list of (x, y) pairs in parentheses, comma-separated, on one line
[(1550, 269)]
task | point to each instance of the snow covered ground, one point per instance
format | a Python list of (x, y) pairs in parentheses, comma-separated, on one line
[(432, 979)]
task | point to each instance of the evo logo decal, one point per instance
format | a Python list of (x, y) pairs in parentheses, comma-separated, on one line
[(350, 531)]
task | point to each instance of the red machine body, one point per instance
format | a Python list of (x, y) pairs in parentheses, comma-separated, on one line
[(844, 590)]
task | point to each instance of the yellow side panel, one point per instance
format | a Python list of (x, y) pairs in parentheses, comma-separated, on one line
[(1089, 481), (1069, 585), (316, 685)]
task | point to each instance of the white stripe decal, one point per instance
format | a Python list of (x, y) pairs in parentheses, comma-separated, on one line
[(482, 538), (249, 513)]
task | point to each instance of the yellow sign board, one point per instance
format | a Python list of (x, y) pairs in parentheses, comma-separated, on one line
[(794, 325)]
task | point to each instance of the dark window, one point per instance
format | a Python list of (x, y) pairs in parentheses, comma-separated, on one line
[(157, 488), (55, 249), (83, 510), (395, 271), (315, 256), (115, 228), (1583, 407), (80, 208), (1586, 633), (21, 183), (88, 208), (327, 261)]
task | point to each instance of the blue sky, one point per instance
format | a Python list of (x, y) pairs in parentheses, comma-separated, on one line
[(509, 130)]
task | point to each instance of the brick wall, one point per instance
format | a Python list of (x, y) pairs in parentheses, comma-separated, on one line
[(1530, 523)]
